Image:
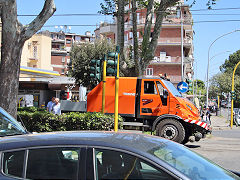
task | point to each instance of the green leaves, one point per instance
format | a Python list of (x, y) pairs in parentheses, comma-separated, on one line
[(42, 121), (81, 56)]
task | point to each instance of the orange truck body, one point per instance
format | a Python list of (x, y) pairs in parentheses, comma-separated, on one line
[(147, 100)]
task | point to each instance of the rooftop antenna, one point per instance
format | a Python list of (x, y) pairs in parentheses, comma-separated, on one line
[(65, 27), (56, 28)]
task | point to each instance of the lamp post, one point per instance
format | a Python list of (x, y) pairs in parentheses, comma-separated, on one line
[(209, 60)]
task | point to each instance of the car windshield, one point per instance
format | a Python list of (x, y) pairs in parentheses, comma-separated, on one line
[(189, 163), (9, 126), (171, 88)]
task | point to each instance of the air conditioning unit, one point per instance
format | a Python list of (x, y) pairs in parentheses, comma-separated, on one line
[(168, 58)]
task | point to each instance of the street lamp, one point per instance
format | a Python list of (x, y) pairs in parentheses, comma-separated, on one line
[(209, 59)]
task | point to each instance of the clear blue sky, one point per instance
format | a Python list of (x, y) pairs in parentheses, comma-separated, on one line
[(205, 33)]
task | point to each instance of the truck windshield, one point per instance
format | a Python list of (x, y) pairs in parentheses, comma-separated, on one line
[(171, 88)]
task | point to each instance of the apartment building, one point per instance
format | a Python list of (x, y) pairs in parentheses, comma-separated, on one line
[(36, 70), (168, 58), (61, 47)]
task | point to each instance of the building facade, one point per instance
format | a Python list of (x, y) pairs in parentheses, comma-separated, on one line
[(61, 47), (171, 43)]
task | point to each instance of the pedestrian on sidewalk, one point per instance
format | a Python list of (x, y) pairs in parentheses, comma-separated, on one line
[(56, 107), (208, 115), (201, 112), (50, 104)]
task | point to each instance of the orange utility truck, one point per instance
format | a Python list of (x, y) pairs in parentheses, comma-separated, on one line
[(153, 102)]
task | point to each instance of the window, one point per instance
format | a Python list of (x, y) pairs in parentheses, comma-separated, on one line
[(8, 125), (53, 163), (63, 59), (130, 35), (118, 165), (62, 71), (68, 41), (13, 163), (149, 87), (160, 88), (35, 52), (126, 37), (149, 71)]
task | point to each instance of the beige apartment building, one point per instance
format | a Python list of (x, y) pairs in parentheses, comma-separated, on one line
[(37, 52), (36, 71)]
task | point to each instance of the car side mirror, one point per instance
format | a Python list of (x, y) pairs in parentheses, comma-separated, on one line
[(165, 93)]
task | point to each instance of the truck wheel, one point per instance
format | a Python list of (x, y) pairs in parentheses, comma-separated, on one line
[(171, 129)]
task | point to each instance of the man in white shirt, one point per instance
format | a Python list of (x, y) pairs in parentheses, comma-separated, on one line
[(50, 104), (56, 107)]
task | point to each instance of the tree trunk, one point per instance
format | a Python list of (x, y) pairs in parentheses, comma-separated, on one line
[(13, 37), (120, 28), (135, 38), (146, 36)]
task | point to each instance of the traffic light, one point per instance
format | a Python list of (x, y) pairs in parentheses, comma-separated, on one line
[(95, 69), (190, 85), (233, 95), (112, 64)]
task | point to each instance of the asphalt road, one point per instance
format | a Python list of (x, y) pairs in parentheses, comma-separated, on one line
[(222, 147)]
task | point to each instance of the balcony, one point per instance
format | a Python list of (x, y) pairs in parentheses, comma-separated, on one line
[(108, 29), (175, 79), (58, 51), (56, 40), (166, 60), (174, 41)]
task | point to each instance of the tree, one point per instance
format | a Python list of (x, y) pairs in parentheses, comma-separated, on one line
[(81, 55), (222, 83), (145, 53), (230, 63), (14, 34)]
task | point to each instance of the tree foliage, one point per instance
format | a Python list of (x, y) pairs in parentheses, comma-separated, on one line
[(81, 55), (230, 63)]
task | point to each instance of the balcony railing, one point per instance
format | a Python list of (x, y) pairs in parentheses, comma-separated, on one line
[(59, 50), (175, 79), (166, 59), (171, 41), (56, 40)]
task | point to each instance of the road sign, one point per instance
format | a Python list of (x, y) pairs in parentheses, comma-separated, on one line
[(182, 87)]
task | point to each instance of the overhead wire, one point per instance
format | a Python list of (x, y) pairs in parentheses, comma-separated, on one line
[(192, 10), (98, 14)]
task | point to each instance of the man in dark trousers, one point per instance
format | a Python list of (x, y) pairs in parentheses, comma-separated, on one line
[(208, 115)]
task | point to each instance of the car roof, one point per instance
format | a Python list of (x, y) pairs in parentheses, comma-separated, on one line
[(120, 140)]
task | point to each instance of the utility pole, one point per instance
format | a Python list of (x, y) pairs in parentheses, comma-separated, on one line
[(182, 55)]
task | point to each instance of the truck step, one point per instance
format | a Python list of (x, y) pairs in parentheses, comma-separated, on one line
[(136, 124), (132, 131), (132, 124)]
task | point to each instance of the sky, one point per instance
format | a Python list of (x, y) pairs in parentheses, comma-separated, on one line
[(205, 33)]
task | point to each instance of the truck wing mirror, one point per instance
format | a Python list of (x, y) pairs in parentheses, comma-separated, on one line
[(165, 93)]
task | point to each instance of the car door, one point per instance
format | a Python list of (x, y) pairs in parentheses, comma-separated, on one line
[(150, 103), (115, 164), (44, 163)]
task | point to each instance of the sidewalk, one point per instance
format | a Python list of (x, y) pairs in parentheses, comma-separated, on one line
[(220, 122)]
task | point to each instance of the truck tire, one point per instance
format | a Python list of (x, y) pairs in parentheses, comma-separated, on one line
[(171, 129)]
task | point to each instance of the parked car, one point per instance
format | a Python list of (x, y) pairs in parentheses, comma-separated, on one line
[(224, 103), (10, 126), (102, 155)]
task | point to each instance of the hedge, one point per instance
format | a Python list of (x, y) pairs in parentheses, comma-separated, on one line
[(39, 120)]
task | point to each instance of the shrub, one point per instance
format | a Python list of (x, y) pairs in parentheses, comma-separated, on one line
[(43, 121)]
